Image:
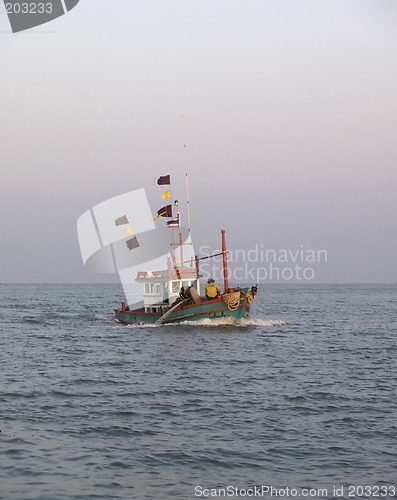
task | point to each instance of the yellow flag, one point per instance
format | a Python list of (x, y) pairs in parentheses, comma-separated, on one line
[(166, 195)]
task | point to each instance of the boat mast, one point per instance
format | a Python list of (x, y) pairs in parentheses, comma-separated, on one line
[(186, 164), (224, 258), (186, 173), (180, 238), (173, 244)]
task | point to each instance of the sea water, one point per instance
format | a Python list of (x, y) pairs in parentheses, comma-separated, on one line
[(299, 401)]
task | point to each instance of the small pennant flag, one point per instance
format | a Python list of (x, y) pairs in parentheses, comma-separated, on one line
[(173, 222), (166, 195), (121, 220), (132, 243), (165, 179)]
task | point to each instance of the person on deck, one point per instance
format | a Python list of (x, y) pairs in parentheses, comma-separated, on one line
[(212, 290)]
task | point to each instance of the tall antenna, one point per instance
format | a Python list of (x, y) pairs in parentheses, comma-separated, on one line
[(185, 157)]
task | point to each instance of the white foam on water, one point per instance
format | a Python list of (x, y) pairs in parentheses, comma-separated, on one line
[(261, 322), (211, 322), (143, 325), (243, 322)]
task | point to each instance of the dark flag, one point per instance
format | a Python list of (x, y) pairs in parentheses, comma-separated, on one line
[(163, 212), (165, 179)]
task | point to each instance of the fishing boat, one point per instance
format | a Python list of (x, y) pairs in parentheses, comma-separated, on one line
[(173, 294)]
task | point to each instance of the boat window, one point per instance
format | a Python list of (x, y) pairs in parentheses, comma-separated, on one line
[(175, 286), (158, 288), (152, 288), (194, 284), (146, 287), (185, 284)]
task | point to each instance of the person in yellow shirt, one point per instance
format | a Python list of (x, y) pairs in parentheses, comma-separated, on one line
[(212, 290)]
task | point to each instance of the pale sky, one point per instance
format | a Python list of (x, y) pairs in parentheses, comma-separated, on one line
[(290, 113)]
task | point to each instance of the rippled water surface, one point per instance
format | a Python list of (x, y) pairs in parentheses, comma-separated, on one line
[(301, 396)]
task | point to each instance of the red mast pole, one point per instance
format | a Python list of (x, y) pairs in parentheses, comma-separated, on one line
[(197, 265), (224, 257)]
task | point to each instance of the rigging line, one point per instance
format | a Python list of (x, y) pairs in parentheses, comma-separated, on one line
[(207, 257)]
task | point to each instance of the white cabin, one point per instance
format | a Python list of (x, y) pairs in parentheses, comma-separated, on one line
[(161, 288)]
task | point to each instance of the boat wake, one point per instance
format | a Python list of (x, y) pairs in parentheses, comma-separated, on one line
[(207, 322), (261, 322), (243, 322)]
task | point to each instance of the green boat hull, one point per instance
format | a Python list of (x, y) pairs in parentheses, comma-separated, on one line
[(207, 309)]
